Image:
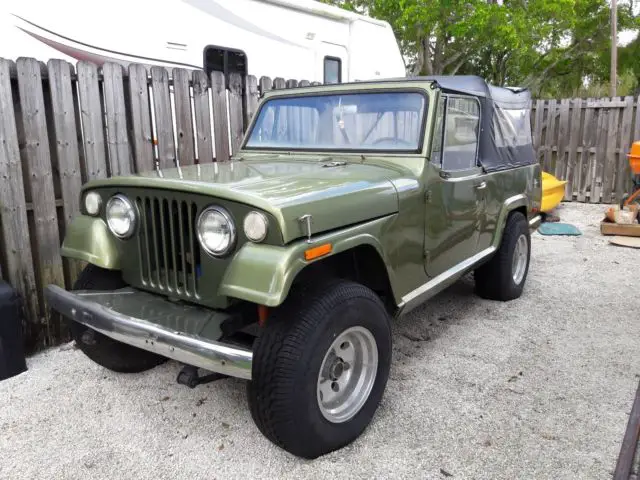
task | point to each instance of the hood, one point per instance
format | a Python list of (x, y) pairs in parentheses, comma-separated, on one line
[(335, 196)]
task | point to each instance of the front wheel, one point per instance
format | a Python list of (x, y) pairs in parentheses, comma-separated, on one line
[(504, 276), (320, 368), (104, 350)]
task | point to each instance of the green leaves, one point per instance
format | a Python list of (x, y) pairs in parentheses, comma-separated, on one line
[(552, 46)]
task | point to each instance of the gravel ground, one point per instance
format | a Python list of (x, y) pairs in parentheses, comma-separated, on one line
[(536, 388)]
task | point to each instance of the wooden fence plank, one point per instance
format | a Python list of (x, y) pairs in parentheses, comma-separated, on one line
[(582, 170), (609, 161), (18, 269), (572, 160), (538, 126), (92, 121), (184, 117), (164, 120), (251, 99), (562, 140), (204, 142), (116, 118), (236, 121), (597, 166), (266, 84), (65, 133), (220, 123), (550, 136), (622, 181), (40, 174), (140, 118)]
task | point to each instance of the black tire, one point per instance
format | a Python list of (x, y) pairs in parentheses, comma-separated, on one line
[(105, 351), (494, 280), (287, 359)]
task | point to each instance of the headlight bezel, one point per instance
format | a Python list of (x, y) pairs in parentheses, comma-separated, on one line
[(264, 220), (133, 215), (232, 231)]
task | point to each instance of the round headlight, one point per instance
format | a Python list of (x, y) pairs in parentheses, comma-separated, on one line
[(121, 216), (92, 203), (216, 231), (255, 226)]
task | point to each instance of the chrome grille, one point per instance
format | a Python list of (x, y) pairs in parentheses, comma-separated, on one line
[(167, 251)]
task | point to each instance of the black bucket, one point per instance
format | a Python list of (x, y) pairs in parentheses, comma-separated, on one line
[(12, 359)]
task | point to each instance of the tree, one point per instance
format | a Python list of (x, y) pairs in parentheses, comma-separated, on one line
[(547, 45)]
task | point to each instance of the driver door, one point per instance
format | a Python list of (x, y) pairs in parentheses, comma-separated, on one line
[(455, 186)]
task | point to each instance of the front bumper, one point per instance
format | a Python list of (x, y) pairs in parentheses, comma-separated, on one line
[(183, 333)]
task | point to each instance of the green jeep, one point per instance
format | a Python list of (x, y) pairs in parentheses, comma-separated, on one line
[(346, 206)]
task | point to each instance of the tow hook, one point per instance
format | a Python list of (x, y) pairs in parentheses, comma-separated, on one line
[(190, 377)]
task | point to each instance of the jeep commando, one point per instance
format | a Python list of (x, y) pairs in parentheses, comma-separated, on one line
[(346, 206)]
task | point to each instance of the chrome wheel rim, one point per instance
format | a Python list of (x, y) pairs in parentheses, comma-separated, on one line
[(347, 374), (519, 265)]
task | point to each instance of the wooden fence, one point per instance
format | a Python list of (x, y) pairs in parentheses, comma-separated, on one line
[(586, 141), (61, 126)]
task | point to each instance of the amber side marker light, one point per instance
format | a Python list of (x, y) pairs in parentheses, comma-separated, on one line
[(318, 251)]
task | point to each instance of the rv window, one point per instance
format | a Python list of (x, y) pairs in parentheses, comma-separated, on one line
[(332, 70), (224, 60)]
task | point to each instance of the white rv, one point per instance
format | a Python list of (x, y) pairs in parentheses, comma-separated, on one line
[(299, 39)]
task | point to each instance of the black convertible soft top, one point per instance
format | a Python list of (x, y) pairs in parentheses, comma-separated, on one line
[(505, 125)]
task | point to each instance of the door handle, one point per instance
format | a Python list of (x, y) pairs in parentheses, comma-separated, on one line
[(481, 185)]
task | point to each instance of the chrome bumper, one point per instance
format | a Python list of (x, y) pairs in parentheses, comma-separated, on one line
[(186, 348), (535, 222)]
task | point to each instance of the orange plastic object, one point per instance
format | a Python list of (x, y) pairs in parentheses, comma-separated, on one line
[(634, 158)]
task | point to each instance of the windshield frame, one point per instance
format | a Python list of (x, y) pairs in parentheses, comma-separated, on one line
[(346, 151)]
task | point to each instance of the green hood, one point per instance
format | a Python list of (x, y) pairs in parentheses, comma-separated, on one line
[(336, 196)]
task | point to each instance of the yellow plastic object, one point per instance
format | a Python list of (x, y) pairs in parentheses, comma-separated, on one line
[(552, 192)]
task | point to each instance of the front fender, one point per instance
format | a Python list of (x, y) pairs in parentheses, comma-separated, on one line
[(263, 274), (88, 239)]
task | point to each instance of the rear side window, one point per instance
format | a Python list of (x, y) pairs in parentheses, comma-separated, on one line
[(460, 136), (332, 70)]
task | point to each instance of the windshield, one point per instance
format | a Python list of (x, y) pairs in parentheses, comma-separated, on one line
[(374, 121)]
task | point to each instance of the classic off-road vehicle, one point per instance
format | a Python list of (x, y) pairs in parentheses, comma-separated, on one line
[(345, 207)]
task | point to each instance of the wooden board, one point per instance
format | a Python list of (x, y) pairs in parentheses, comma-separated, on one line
[(116, 119), (184, 117), (629, 230), (623, 172), (18, 269), (610, 162), (138, 103), (92, 121), (204, 141), (251, 99), (65, 135), (572, 158), (163, 118), (582, 169), (37, 159), (220, 123), (236, 121)]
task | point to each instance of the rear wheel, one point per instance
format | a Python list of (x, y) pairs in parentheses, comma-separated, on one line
[(320, 368), (504, 276), (103, 350)]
